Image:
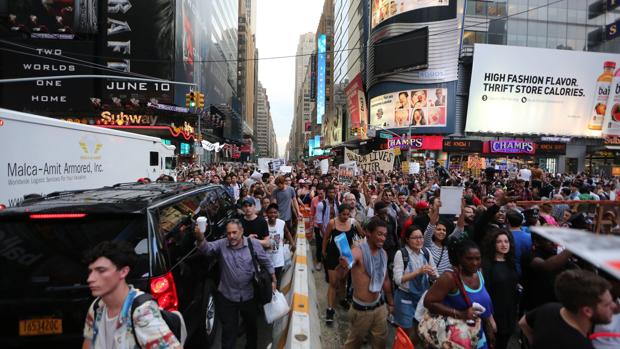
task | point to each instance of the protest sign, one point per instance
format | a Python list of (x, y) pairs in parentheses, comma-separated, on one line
[(346, 173), (602, 251), (286, 169), (451, 200), (382, 160), (263, 164), (404, 167), (414, 168), (275, 164), (324, 166)]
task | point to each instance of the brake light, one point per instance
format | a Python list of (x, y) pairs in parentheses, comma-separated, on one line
[(2, 207), (57, 215), (164, 291)]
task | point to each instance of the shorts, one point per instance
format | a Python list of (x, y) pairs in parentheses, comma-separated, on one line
[(405, 304)]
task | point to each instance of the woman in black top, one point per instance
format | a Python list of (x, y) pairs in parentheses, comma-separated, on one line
[(501, 279)]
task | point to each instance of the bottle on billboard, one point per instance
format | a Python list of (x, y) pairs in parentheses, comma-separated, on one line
[(612, 113), (601, 94)]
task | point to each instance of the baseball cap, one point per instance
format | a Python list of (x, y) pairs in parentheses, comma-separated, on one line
[(248, 201), (421, 205)]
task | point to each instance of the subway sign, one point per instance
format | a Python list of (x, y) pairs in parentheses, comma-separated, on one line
[(611, 30)]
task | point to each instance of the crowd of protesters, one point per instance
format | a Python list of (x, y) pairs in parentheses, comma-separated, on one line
[(408, 259)]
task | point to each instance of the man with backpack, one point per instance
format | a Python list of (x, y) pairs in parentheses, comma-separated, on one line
[(123, 317)]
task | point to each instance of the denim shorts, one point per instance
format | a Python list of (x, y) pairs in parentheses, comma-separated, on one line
[(405, 304)]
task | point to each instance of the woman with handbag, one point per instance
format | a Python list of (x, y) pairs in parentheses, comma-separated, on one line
[(459, 307), (501, 280)]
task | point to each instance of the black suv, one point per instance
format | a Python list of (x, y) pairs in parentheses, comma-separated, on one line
[(43, 292)]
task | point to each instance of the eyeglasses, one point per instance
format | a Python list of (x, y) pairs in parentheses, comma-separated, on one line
[(416, 238)]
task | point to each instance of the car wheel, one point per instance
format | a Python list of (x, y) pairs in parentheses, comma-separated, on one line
[(209, 322)]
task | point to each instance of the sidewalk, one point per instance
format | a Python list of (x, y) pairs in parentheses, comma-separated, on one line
[(334, 336)]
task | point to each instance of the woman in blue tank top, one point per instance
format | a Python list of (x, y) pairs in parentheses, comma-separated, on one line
[(445, 298)]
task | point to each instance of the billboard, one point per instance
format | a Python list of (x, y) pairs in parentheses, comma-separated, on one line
[(64, 95), (138, 38), (522, 90), (416, 108), (331, 129), (320, 81), (356, 101), (386, 9), (53, 19)]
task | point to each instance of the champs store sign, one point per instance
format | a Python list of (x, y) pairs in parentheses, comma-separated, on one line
[(382, 160), (416, 142)]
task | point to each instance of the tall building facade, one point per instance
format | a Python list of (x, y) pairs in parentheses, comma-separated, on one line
[(246, 65), (324, 70), (263, 122), (303, 102), (350, 35)]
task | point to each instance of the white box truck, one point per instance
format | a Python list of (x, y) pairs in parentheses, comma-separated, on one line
[(41, 155)]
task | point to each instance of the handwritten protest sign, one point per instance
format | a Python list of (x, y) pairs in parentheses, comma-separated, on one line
[(382, 160)]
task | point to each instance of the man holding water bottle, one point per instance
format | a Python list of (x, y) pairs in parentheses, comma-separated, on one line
[(235, 292)]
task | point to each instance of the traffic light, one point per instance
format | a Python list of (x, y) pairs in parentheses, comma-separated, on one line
[(190, 99), (201, 100)]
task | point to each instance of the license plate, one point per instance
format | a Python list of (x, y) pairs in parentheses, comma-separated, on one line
[(40, 327)]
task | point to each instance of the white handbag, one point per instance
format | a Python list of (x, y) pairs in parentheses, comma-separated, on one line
[(277, 308)]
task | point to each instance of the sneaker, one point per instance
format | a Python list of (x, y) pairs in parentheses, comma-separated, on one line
[(329, 316), (345, 304)]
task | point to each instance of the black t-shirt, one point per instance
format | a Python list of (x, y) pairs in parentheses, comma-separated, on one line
[(551, 331), (258, 226)]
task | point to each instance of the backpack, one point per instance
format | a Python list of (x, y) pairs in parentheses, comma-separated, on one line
[(174, 320), (405, 254)]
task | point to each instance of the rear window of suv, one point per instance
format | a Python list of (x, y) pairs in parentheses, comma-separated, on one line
[(39, 255)]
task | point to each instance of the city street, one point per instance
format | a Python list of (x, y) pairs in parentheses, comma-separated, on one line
[(165, 166)]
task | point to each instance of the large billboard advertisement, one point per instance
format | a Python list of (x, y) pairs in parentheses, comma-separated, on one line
[(386, 9), (520, 90), (416, 108), (138, 38), (320, 81), (356, 101), (53, 19), (46, 58), (331, 129)]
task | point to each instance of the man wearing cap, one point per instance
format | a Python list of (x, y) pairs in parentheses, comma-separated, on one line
[(422, 218), (253, 226)]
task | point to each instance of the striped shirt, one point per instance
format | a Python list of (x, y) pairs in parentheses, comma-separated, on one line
[(440, 254)]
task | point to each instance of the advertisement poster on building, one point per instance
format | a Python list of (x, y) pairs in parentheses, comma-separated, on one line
[(417, 108), (415, 142), (611, 123), (347, 172), (539, 91), (382, 160), (385, 9), (47, 95), (331, 129), (53, 19), (356, 101)]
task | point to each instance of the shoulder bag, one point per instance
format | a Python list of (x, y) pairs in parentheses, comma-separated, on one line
[(263, 291), (440, 331)]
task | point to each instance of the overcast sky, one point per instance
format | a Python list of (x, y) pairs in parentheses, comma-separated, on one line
[(279, 25)]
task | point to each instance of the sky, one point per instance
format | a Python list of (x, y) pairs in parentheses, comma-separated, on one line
[(278, 27)]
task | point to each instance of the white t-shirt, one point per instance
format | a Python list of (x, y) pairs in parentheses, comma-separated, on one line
[(276, 239), (525, 174)]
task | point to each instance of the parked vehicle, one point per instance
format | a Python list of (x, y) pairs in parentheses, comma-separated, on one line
[(43, 290), (41, 155)]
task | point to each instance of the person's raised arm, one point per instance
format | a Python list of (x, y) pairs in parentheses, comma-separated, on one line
[(553, 263)]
